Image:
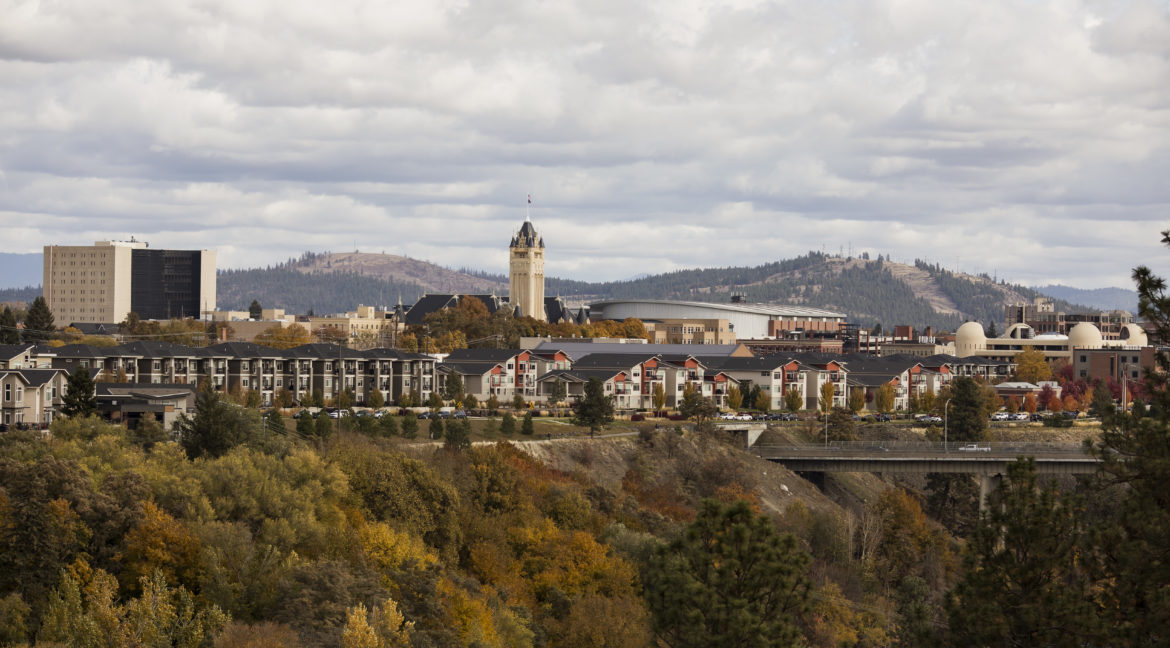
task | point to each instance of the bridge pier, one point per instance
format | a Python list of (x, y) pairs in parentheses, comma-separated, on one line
[(987, 485)]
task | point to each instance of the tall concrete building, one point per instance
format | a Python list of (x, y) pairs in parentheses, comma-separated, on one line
[(105, 281), (526, 272)]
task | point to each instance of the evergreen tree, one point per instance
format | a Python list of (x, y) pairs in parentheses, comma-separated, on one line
[(557, 392), (8, 332), (1024, 581), (306, 427), (696, 406), (435, 428), (458, 436), (596, 409), (409, 427), (730, 580), (217, 426), (508, 424), (323, 426), (453, 387), (80, 397), (389, 425), (38, 322), (255, 310), (526, 426), (517, 402)]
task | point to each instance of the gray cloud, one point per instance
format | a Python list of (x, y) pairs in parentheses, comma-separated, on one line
[(1030, 140)]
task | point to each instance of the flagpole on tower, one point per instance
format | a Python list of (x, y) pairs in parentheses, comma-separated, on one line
[(527, 210)]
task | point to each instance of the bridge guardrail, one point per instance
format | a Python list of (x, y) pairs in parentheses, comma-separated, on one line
[(1001, 447)]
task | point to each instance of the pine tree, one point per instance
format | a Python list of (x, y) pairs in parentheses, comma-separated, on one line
[(409, 427), (8, 332), (508, 424), (730, 580), (305, 425), (526, 426), (1024, 582), (80, 397), (38, 322), (596, 409), (217, 426)]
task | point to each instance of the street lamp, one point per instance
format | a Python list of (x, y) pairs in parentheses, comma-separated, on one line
[(946, 417)]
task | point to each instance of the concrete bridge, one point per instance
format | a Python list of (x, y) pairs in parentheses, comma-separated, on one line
[(988, 460)]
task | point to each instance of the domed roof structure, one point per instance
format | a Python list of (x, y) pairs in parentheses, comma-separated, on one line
[(970, 339), (1084, 336), (1134, 335), (1020, 332)]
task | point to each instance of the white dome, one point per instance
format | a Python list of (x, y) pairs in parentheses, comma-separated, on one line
[(970, 339), (1084, 336), (1134, 335)]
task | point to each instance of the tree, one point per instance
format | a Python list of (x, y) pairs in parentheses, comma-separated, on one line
[(734, 397), (278, 336), (840, 425), (729, 580), (255, 310), (952, 498), (80, 397), (1031, 367), (283, 398), (389, 425), (696, 406), (991, 331), (323, 426), (38, 321), (1024, 580), (828, 390), (1102, 405), (493, 402), (409, 427), (763, 401), (526, 426), (8, 331), (1030, 404), (469, 402), (453, 387), (217, 426), (659, 397), (517, 401), (596, 409), (434, 401), (1135, 520), (792, 400), (508, 424), (376, 399), (458, 435), (306, 427), (857, 399), (883, 400)]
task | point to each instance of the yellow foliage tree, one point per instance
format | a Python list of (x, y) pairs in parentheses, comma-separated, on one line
[(159, 543), (1031, 366)]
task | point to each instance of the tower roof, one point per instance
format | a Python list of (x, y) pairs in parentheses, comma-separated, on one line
[(527, 237)]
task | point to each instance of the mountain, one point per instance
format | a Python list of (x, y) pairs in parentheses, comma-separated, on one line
[(21, 270), (869, 291), (1099, 298)]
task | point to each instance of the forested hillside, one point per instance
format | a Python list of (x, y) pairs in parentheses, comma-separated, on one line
[(870, 291)]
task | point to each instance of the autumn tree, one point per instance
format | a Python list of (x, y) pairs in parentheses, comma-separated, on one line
[(730, 580), (828, 390), (659, 397), (884, 398), (857, 399), (734, 397), (792, 400), (1031, 366), (763, 401), (278, 336)]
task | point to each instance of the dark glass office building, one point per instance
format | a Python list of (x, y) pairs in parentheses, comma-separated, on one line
[(167, 283)]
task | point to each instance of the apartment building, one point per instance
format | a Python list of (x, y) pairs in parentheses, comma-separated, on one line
[(105, 281)]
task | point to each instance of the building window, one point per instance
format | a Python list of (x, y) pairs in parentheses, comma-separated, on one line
[(244, 382), (7, 392)]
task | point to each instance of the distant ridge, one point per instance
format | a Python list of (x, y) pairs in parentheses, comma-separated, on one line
[(870, 291), (1100, 298)]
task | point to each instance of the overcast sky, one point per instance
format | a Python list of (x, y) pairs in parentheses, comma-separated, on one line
[(1026, 139)]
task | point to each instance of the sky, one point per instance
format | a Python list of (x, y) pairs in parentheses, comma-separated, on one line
[(1029, 140)]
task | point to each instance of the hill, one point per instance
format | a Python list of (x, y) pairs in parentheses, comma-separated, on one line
[(869, 291), (1101, 298)]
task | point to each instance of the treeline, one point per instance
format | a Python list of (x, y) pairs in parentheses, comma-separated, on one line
[(298, 292)]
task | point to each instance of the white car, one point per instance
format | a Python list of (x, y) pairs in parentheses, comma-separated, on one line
[(974, 447)]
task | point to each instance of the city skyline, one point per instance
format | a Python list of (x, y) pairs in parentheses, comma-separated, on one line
[(1030, 142)]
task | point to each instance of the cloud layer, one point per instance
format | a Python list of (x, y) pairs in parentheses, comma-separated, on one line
[(1030, 140)]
